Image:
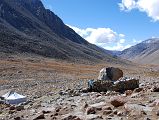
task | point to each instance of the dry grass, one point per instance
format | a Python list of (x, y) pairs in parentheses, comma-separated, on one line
[(81, 71)]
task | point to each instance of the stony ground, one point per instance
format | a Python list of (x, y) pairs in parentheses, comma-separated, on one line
[(41, 80)]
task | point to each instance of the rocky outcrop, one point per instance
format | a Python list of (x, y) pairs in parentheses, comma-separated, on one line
[(110, 73), (126, 84), (119, 86), (111, 79)]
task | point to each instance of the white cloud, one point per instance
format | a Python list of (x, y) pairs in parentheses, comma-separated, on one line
[(121, 40), (103, 37), (151, 7), (121, 35), (118, 47), (127, 4)]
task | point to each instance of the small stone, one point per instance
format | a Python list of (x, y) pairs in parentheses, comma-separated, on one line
[(106, 108), (143, 112), (12, 108), (57, 109), (46, 112), (117, 101), (39, 116), (94, 117), (71, 117), (128, 92), (137, 90), (119, 113), (111, 115), (115, 112), (106, 112), (154, 103), (90, 110), (155, 89), (19, 108), (84, 90), (11, 111), (17, 118), (53, 118), (85, 105), (157, 113), (147, 119)]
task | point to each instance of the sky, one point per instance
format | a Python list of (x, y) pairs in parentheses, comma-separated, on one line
[(111, 24)]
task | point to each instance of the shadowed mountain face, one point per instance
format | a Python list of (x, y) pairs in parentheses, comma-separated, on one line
[(146, 52), (27, 27)]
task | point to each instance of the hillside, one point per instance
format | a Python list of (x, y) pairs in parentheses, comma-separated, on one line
[(146, 52), (28, 28)]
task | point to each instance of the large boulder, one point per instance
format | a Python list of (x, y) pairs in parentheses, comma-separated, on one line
[(110, 73), (119, 86), (100, 86), (126, 84), (111, 79)]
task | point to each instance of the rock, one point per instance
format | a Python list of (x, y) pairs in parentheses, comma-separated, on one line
[(94, 117), (106, 108), (117, 101), (106, 112), (61, 92), (46, 111), (128, 92), (101, 86), (98, 106), (20, 107), (135, 95), (137, 90), (118, 86), (103, 74), (11, 111), (110, 73), (17, 118), (38, 116), (112, 93), (90, 110), (155, 89), (154, 103), (73, 92), (119, 113), (147, 118), (12, 108), (84, 90), (157, 113), (126, 84), (71, 117), (84, 94), (115, 111), (85, 105), (2, 101), (137, 107)]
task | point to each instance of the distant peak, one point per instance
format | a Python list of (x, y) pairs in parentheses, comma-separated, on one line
[(152, 40)]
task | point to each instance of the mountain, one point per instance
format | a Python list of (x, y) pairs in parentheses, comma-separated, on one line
[(28, 28), (146, 52)]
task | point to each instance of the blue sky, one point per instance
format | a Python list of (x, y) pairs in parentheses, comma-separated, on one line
[(111, 24)]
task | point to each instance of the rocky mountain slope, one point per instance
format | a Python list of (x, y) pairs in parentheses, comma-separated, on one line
[(144, 52), (28, 28)]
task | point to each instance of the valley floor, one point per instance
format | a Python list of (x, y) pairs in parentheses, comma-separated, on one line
[(40, 79)]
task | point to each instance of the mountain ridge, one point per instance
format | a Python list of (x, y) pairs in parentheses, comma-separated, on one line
[(146, 52), (27, 27)]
